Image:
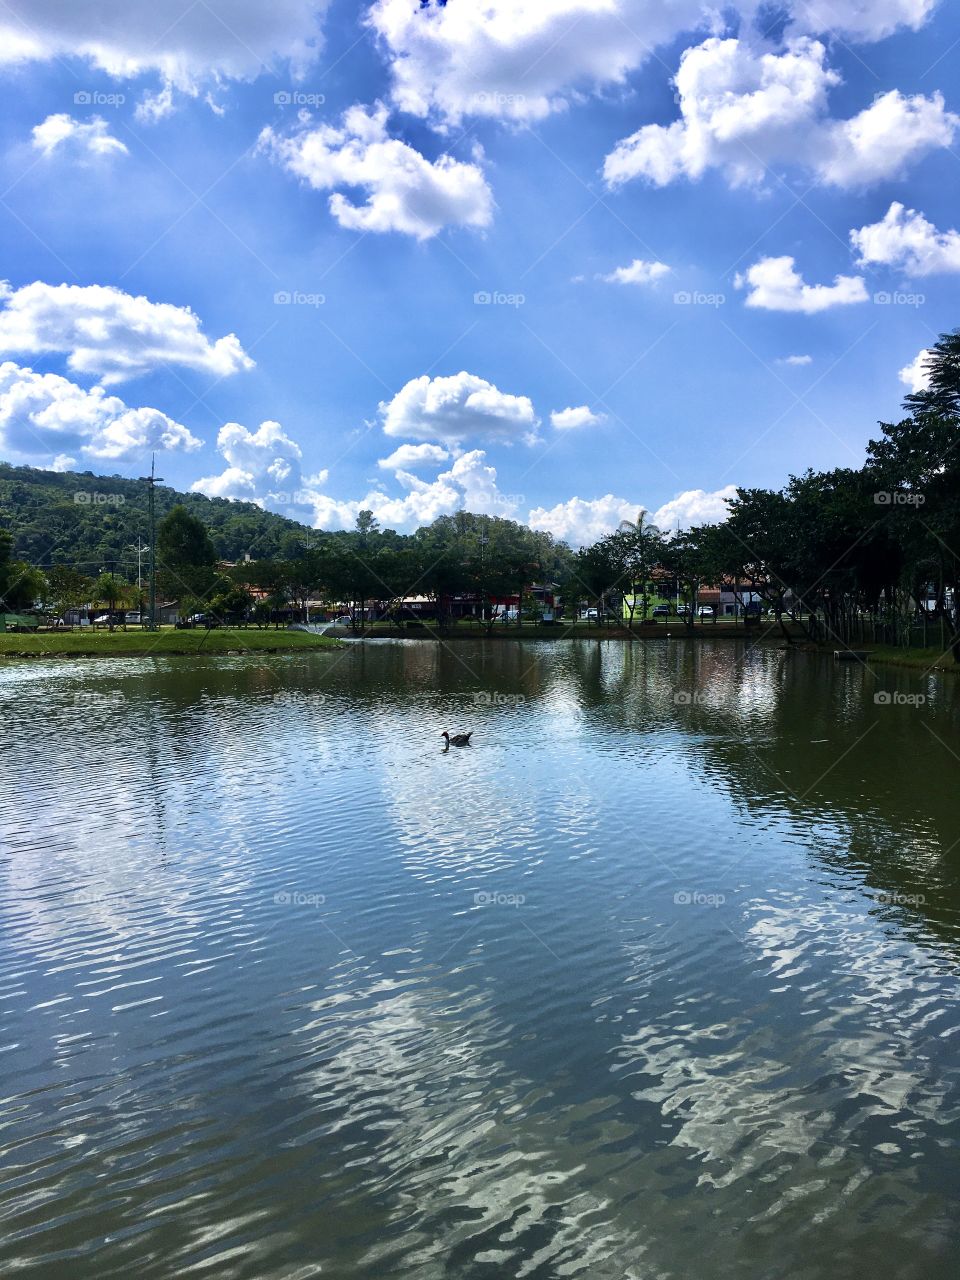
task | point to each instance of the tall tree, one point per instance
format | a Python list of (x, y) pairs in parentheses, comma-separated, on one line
[(186, 558)]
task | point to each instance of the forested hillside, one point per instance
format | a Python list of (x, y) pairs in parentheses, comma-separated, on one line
[(91, 522)]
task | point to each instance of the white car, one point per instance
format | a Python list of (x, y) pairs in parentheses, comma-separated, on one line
[(705, 611)]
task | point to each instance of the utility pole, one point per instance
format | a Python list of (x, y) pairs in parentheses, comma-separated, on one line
[(153, 480)]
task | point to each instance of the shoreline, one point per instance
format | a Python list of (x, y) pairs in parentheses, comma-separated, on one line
[(235, 642), (169, 643)]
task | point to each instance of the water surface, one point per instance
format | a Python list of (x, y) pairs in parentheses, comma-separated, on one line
[(658, 979)]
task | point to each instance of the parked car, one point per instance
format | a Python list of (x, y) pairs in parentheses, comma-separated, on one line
[(133, 618), (705, 611), (683, 611), (590, 614), (661, 611)]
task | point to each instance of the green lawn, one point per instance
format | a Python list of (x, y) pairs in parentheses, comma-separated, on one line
[(924, 659), (169, 641)]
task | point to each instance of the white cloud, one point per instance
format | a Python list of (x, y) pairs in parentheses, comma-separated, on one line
[(862, 19), (916, 375), (582, 521), (693, 507), (405, 191), (111, 334), (881, 141), (522, 61), (518, 61), (776, 285), (796, 360), (470, 484), (154, 107), (414, 455), (638, 272), (260, 465), (571, 419), (742, 111), (189, 44), (63, 462), (457, 409), (43, 413), (904, 238), (63, 132)]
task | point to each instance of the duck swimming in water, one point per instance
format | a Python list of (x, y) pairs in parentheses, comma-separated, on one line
[(457, 739)]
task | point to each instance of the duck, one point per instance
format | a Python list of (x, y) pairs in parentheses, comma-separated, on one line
[(457, 739)]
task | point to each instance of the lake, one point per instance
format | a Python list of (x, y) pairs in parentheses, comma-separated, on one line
[(656, 979)]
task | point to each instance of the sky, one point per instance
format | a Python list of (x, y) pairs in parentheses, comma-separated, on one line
[(552, 260)]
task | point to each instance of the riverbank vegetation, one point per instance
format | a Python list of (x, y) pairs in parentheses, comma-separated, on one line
[(167, 642), (867, 556)]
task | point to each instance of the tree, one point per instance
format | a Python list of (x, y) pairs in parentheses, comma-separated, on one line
[(636, 549), (67, 588), (20, 585), (111, 590), (186, 558)]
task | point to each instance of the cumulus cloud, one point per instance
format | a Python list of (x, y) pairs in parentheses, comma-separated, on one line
[(638, 272), (776, 285), (62, 132), (571, 419), (457, 409), (695, 506), (862, 19), (582, 521), (518, 61), (905, 239), (414, 455), (262, 466), (916, 375), (742, 110), (43, 414), (470, 484), (110, 334), (405, 191), (883, 140), (522, 61), (188, 44)]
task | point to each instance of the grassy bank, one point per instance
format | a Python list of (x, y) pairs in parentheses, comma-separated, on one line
[(167, 643), (919, 659)]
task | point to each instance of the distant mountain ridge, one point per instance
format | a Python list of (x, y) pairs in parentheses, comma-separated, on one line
[(92, 522)]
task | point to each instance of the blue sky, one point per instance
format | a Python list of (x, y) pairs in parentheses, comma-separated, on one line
[(554, 260)]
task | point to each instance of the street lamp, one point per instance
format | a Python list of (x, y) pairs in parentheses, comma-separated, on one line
[(153, 480)]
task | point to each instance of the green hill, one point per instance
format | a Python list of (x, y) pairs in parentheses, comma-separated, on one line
[(91, 522)]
